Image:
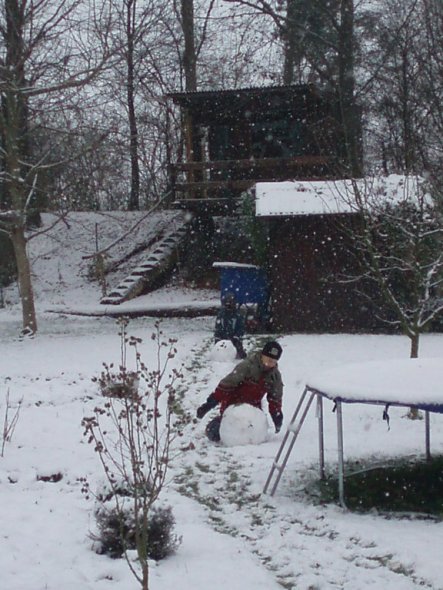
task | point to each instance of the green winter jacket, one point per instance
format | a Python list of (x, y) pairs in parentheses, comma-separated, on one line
[(249, 383)]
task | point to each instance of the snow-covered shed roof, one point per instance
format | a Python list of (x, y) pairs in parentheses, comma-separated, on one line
[(397, 382), (321, 197)]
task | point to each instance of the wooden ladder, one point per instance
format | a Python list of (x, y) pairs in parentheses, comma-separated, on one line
[(288, 441)]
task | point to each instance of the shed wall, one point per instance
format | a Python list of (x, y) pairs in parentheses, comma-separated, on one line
[(308, 255)]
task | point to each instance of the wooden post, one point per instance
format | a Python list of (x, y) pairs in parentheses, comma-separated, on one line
[(187, 127)]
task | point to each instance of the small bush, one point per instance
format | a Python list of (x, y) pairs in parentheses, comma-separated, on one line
[(132, 432), (114, 532), (162, 541), (117, 527)]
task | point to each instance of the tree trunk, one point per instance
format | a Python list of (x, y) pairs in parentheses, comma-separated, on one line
[(290, 44), (189, 56), (413, 413), (24, 280), (408, 142), (16, 148), (349, 115), (414, 345), (145, 575), (134, 198), (14, 115)]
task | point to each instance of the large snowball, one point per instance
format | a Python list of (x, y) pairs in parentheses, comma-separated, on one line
[(223, 351), (243, 425)]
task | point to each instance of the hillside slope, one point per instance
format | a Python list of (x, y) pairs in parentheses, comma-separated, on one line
[(62, 263)]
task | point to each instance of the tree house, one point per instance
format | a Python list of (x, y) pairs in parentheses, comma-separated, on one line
[(235, 138)]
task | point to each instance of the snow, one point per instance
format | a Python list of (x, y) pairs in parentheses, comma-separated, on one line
[(322, 197), (243, 425), (299, 198), (62, 258), (417, 382), (233, 536)]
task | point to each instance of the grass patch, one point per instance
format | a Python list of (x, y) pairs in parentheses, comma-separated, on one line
[(400, 486)]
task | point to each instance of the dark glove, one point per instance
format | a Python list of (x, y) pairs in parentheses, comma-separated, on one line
[(277, 418), (209, 404), (241, 354)]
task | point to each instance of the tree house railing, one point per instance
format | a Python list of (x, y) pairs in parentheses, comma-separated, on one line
[(212, 179)]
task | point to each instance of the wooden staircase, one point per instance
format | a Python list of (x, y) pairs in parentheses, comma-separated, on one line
[(160, 260)]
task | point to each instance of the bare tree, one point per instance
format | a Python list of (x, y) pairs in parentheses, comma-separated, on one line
[(346, 86), (139, 26), (319, 41), (405, 90), (88, 171), (189, 55), (46, 51), (131, 38), (158, 50), (194, 37), (399, 244)]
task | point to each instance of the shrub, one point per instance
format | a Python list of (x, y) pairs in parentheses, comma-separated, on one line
[(117, 532), (162, 540)]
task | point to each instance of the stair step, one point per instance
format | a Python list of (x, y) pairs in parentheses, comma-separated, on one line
[(164, 249)]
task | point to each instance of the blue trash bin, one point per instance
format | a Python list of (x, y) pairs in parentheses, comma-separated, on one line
[(249, 284)]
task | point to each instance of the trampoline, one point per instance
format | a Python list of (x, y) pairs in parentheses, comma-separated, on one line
[(412, 383)]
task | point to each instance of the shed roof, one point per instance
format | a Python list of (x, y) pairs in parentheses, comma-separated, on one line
[(326, 197), (253, 102), (200, 95)]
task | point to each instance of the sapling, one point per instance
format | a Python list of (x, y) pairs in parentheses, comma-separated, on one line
[(132, 435), (9, 423)]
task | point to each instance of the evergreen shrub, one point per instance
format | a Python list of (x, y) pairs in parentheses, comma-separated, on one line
[(116, 526)]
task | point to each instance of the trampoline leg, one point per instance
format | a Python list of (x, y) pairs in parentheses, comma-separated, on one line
[(321, 442), (428, 436), (341, 485)]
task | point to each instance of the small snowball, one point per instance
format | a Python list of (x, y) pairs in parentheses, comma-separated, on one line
[(223, 351), (243, 424)]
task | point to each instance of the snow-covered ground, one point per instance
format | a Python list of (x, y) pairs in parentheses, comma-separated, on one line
[(233, 536)]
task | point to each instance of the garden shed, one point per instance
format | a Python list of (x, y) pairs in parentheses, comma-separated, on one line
[(310, 227)]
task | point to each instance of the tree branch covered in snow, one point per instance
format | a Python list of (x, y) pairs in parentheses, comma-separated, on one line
[(399, 244)]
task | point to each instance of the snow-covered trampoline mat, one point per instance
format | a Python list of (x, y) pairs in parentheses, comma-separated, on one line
[(396, 382)]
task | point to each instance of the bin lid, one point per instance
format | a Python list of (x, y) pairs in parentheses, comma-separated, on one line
[(233, 265)]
